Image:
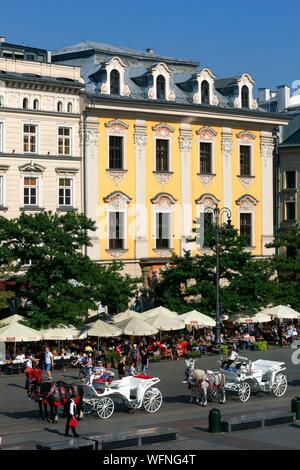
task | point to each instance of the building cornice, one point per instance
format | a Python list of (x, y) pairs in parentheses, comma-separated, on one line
[(30, 156), (39, 112)]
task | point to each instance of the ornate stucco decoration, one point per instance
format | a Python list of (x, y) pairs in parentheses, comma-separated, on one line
[(247, 202), (163, 178), (227, 145), (207, 75), (116, 253), (163, 253), (117, 201), (247, 80), (140, 139), (185, 142), (163, 201), (115, 64), (267, 147), (92, 139), (163, 130), (206, 133), (116, 126), (32, 168), (166, 72), (207, 200), (246, 137), (246, 181), (206, 180), (116, 175)]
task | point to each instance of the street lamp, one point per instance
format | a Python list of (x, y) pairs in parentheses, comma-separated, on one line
[(217, 212)]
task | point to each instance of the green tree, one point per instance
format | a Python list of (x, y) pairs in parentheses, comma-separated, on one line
[(287, 266), (245, 283), (62, 284)]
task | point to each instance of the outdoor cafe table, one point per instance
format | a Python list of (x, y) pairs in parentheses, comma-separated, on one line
[(9, 367)]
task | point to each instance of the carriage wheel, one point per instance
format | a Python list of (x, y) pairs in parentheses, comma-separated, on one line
[(105, 408), (152, 400), (280, 385), (87, 408), (244, 392)]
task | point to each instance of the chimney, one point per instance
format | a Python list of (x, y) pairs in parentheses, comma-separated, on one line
[(264, 95), (283, 97), (2, 39), (150, 51)]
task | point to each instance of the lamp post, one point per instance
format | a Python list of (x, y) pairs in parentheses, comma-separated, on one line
[(217, 212)]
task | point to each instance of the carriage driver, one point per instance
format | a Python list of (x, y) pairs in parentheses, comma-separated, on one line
[(232, 357)]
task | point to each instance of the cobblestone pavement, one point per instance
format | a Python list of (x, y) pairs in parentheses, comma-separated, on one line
[(19, 426)]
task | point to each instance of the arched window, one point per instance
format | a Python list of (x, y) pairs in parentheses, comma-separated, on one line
[(25, 103), (70, 107), (245, 97), (205, 92), (114, 82), (59, 107), (161, 88), (36, 104)]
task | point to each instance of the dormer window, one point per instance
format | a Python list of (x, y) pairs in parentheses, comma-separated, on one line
[(25, 103), (36, 105), (245, 97), (205, 99), (115, 82), (59, 107), (161, 87)]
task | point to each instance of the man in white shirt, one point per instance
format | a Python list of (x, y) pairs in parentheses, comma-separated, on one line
[(47, 362)]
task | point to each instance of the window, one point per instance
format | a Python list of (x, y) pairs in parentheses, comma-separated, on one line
[(205, 92), (70, 108), (1, 191), (36, 105), (246, 228), (65, 192), (115, 153), (162, 155), (1, 136), (114, 82), (161, 87), (205, 158), (116, 230), (30, 138), (163, 231), (290, 210), (245, 160), (59, 107), (290, 180), (245, 97), (31, 188), (1, 101), (25, 103), (64, 141)]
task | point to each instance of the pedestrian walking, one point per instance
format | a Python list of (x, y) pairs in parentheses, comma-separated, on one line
[(47, 362), (71, 417), (131, 370), (144, 360), (121, 368), (135, 355)]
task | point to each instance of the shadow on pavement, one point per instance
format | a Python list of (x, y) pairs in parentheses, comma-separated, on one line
[(177, 399), (16, 386)]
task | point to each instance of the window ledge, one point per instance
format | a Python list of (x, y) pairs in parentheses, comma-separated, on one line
[(206, 174), (117, 253), (3, 208), (246, 176), (163, 172), (32, 209), (116, 171), (66, 209)]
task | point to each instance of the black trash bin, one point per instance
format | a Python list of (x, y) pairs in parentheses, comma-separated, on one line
[(296, 407), (214, 421)]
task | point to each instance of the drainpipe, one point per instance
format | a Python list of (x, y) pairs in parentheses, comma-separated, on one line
[(278, 184), (84, 169)]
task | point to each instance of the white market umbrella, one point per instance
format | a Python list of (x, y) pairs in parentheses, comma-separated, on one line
[(281, 312), (11, 319), (165, 323), (101, 329), (160, 311), (126, 316), (197, 319), (63, 333), (260, 317), (18, 333), (136, 327)]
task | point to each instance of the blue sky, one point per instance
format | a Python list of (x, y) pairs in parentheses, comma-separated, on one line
[(231, 37)]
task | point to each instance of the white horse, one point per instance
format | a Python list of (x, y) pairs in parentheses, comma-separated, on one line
[(201, 382)]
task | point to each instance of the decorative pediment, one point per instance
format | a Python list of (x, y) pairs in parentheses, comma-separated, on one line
[(32, 168), (67, 171), (161, 69), (246, 136), (117, 126), (247, 202), (206, 133), (115, 64), (163, 130), (166, 72), (245, 80), (164, 200), (206, 75), (117, 200), (208, 200)]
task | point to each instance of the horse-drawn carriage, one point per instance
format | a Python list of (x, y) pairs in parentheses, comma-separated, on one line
[(135, 392), (245, 377)]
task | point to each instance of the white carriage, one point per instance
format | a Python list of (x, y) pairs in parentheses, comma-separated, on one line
[(135, 392), (244, 377)]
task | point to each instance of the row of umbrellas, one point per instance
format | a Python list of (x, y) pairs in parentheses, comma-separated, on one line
[(132, 324)]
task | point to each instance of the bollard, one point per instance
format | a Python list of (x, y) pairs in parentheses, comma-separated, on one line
[(214, 421), (296, 407)]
